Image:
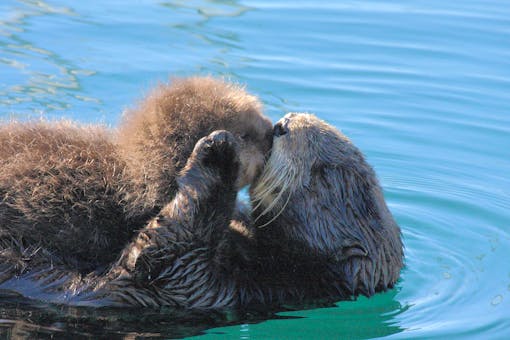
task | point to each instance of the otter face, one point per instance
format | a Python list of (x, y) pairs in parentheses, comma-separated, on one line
[(306, 141), (254, 137), (301, 141), (301, 144)]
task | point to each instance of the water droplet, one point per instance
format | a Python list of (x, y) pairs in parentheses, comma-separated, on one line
[(447, 275), (497, 300)]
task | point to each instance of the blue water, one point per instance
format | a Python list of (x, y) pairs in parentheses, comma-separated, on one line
[(421, 87)]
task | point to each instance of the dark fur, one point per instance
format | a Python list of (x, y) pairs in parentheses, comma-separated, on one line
[(334, 239), (80, 192), (188, 255)]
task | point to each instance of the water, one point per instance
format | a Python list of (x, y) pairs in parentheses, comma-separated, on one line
[(422, 87)]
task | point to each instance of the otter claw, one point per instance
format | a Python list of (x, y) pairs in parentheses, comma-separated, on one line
[(219, 150), (221, 137)]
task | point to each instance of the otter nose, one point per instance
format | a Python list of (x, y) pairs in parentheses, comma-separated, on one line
[(280, 130)]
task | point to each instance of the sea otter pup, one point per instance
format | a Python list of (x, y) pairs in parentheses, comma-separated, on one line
[(78, 193), (325, 232)]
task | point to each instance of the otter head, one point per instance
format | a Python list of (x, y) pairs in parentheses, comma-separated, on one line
[(157, 137), (317, 189), (302, 143)]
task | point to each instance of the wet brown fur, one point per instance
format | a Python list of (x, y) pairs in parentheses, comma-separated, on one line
[(329, 236), (80, 192)]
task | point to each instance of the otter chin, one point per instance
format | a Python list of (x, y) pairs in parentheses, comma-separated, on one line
[(318, 206)]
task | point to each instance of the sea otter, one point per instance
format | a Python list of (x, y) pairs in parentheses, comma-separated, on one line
[(78, 193), (324, 230)]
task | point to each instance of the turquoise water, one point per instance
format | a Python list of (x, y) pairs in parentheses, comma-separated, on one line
[(422, 87)]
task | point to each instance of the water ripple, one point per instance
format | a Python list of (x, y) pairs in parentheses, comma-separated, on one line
[(420, 86)]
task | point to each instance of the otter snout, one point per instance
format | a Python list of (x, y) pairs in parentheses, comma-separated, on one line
[(280, 129)]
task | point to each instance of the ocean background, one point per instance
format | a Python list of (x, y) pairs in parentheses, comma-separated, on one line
[(422, 87)]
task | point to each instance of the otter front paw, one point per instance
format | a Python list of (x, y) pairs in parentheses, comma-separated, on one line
[(219, 152)]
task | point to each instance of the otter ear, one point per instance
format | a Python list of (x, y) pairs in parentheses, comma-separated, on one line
[(319, 172), (331, 151), (351, 248), (354, 250)]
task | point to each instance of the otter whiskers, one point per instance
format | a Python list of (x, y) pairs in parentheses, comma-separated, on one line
[(275, 217), (277, 178)]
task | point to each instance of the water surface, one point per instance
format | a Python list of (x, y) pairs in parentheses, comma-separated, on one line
[(422, 87)]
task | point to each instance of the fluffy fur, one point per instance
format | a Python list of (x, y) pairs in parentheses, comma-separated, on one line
[(80, 192), (157, 137), (61, 189), (187, 256)]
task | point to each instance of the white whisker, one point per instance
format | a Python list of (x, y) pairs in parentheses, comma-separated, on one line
[(277, 215), (277, 180), (270, 206)]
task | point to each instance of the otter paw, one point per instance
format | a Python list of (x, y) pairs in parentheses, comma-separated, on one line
[(219, 151)]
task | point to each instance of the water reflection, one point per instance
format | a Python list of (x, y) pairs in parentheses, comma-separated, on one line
[(35, 320), (360, 319), (209, 8), (363, 318), (44, 81), (223, 39)]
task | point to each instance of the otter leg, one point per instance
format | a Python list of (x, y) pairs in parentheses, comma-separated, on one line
[(181, 257), (204, 204), (207, 186)]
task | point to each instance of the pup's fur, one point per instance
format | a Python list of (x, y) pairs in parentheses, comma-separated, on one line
[(80, 192)]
